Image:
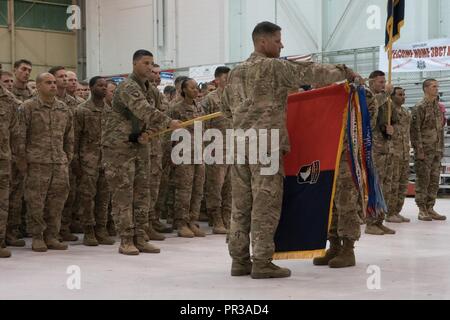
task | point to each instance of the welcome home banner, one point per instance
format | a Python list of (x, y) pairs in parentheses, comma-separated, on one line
[(432, 55)]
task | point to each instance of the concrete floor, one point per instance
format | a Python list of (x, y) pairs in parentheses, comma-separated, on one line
[(414, 264)]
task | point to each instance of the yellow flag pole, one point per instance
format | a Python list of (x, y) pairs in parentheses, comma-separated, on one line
[(189, 123), (390, 57)]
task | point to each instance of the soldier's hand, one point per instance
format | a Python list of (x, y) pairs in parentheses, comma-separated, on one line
[(22, 166), (389, 89), (144, 138), (175, 124), (390, 130), (420, 156)]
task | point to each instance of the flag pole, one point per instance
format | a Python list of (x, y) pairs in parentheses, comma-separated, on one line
[(390, 57)]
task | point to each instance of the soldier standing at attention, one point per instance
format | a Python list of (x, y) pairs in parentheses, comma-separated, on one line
[(17, 207), (71, 207), (401, 141), (87, 163), (126, 159), (256, 98), (49, 150), (188, 179), (218, 176), (383, 152), (10, 144), (427, 137)]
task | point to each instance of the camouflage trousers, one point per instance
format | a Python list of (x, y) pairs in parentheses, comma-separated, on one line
[(71, 206), (164, 204), (16, 199), (385, 169), (400, 181), (156, 173), (5, 177), (127, 175), (218, 192), (94, 197), (428, 178), (347, 205), (46, 191), (256, 211), (189, 181)]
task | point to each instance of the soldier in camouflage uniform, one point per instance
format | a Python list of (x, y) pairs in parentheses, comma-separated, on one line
[(87, 164), (17, 208), (72, 86), (218, 176), (156, 227), (256, 98), (10, 151), (49, 138), (427, 137), (70, 213), (164, 205), (382, 148), (188, 179), (401, 142), (126, 157), (347, 208)]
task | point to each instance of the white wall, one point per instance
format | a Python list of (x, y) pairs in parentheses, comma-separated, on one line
[(198, 32), (115, 30)]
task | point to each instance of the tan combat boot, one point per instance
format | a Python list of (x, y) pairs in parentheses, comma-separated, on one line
[(184, 231), (404, 220), (385, 229), (218, 226), (374, 230), (424, 216), (153, 235), (346, 257), (145, 247), (66, 235), (12, 238), (160, 227), (38, 244), (90, 239), (436, 216), (4, 253), (196, 230), (127, 247), (268, 270), (394, 219), (54, 244), (333, 252), (241, 268), (102, 235)]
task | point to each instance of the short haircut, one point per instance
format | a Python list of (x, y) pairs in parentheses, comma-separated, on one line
[(221, 70), (55, 70), (41, 76), (265, 28), (5, 73), (20, 62), (376, 74), (94, 81), (395, 90), (180, 79), (170, 90), (83, 83), (428, 83), (140, 54)]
